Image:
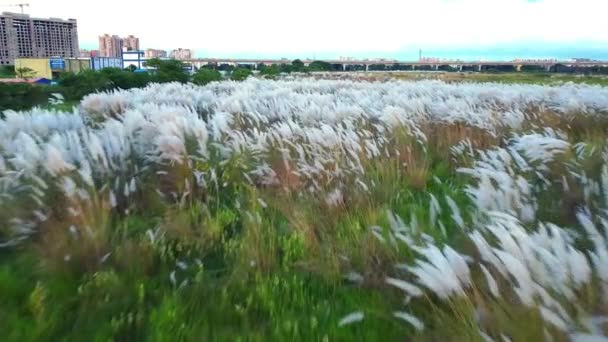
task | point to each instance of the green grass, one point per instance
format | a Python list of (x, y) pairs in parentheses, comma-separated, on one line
[(220, 266)]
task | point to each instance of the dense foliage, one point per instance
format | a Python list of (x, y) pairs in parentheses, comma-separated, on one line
[(205, 76), (240, 74), (20, 96), (308, 210)]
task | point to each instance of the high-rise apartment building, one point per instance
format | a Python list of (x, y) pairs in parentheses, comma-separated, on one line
[(155, 53), (22, 36), (182, 54), (110, 46), (131, 43)]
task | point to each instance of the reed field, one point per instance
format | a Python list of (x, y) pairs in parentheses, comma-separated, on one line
[(308, 210)]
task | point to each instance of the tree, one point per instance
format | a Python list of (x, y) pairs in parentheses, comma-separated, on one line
[(25, 73), (170, 70), (297, 66), (7, 71), (225, 67), (240, 74), (205, 76), (126, 79), (319, 66), (22, 96), (76, 86), (270, 71)]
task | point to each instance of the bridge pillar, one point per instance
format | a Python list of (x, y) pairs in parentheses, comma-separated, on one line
[(479, 67), (366, 67), (413, 67), (436, 67), (343, 67), (548, 67), (459, 67)]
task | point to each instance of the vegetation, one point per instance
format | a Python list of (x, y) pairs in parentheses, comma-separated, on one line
[(21, 96), (240, 74), (171, 70), (7, 71), (25, 73), (205, 76), (308, 210)]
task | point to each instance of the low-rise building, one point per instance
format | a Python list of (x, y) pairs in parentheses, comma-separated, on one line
[(133, 58), (40, 67), (51, 68), (99, 63)]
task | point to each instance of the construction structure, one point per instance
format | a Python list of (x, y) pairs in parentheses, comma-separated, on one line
[(22, 36)]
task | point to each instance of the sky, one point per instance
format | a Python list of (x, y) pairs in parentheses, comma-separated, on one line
[(468, 29)]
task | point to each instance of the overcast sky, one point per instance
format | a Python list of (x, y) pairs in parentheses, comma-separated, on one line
[(275, 27)]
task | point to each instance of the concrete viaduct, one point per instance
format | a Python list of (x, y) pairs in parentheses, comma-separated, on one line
[(433, 65)]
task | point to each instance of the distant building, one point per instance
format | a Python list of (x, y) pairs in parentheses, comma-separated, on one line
[(182, 54), (99, 63), (133, 58), (52, 67), (154, 53), (131, 43), (88, 53), (110, 46), (24, 37)]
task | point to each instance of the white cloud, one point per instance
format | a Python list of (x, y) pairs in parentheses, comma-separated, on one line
[(276, 26)]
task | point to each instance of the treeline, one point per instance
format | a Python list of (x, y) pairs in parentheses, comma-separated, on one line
[(73, 87)]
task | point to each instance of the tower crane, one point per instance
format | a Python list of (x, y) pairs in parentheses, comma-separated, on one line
[(17, 5)]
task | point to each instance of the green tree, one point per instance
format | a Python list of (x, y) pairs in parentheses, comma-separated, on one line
[(270, 71), (22, 96), (225, 67), (126, 79), (7, 71), (170, 70), (25, 73), (205, 76), (76, 86), (240, 74), (319, 66), (297, 66)]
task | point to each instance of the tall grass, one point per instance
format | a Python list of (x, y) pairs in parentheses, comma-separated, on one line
[(308, 209)]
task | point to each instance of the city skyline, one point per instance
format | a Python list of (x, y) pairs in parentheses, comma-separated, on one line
[(396, 33)]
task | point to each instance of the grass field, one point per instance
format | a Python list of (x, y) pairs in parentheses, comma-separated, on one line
[(308, 210), (540, 78)]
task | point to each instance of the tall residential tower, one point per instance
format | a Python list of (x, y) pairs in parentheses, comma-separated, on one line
[(110, 46), (22, 36)]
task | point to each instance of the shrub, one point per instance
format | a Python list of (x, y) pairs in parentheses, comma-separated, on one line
[(205, 76), (240, 74), (22, 96)]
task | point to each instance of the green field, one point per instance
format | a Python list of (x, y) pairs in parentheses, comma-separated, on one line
[(308, 210)]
